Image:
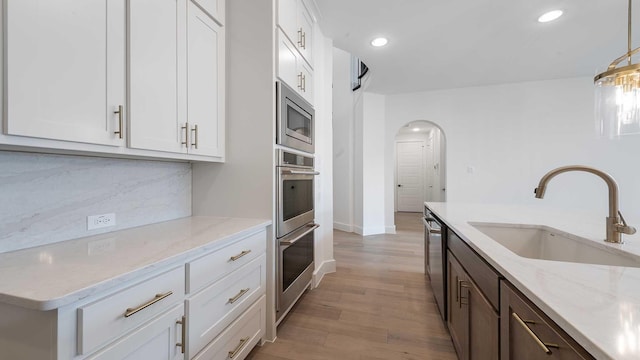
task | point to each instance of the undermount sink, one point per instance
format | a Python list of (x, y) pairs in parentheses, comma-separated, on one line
[(545, 243)]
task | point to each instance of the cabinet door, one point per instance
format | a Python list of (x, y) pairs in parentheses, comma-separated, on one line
[(160, 339), (305, 36), (65, 69), (287, 68), (483, 326), (288, 18), (205, 83), (458, 321), (157, 75)]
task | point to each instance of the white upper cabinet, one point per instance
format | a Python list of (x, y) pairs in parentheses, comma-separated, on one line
[(65, 70), (205, 84), (157, 75), (293, 70), (215, 8), (297, 23), (176, 78), (143, 77)]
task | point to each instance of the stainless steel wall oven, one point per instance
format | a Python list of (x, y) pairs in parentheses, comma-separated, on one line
[(294, 228)]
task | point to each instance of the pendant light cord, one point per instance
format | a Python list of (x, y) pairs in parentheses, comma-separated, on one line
[(629, 35)]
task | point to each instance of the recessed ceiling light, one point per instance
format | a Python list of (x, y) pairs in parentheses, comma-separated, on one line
[(550, 16), (381, 41), (416, 129)]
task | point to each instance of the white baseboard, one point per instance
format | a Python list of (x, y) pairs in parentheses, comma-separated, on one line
[(390, 229), (343, 227), (327, 267), (371, 230)]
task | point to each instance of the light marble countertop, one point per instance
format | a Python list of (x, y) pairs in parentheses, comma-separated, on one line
[(598, 305), (51, 276)]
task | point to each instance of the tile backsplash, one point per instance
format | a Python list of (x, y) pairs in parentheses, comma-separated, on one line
[(47, 198)]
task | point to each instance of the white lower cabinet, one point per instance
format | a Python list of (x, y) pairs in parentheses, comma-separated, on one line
[(214, 308), (152, 316)]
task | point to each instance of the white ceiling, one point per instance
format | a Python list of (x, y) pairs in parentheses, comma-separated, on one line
[(460, 43)]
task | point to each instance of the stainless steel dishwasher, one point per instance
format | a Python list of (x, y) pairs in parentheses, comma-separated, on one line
[(435, 250)]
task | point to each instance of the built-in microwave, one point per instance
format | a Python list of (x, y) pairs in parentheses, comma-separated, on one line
[(295, 119)]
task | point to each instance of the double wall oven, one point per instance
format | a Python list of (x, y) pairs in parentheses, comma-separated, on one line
[(295, 213)]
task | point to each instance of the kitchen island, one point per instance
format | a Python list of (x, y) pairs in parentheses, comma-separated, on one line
[(597, 305)]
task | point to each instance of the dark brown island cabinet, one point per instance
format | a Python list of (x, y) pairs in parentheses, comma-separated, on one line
[(488, 318)]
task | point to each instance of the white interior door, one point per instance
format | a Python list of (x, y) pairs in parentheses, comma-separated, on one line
[(410, 175)]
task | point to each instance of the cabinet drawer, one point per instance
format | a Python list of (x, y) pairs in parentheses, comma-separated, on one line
[(238, 339), (525, 330), (485, 277), (215, 307), (209, 268), (113, 316), (156, 339)]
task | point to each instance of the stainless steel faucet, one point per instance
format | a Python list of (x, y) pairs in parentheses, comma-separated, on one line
[(616, 225)]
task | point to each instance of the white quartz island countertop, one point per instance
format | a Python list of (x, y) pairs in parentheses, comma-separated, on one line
[(598, 305), (51, 276)]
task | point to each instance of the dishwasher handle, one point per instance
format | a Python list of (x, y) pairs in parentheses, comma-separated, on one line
[(431, 229)]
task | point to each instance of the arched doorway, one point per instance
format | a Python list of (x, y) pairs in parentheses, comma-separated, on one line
[(420, 167)]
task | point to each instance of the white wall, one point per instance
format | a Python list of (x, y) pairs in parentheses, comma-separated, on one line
[(373, 165), (47, 198), (323, 78), (343, 142), (513, 134)]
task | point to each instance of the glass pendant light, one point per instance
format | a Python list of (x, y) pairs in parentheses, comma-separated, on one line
[(618, 94)]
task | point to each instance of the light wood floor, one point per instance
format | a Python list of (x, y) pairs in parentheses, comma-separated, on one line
[(378, 305)]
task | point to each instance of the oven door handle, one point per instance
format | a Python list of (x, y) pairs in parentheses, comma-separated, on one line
[(311, 227), (297, 172)]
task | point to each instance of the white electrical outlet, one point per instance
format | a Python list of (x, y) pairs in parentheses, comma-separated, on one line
[(101, 221)]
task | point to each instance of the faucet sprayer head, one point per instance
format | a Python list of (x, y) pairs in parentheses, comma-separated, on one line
[(539, 191)]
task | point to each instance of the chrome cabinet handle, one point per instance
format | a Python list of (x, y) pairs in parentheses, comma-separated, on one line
[(182, 322), (236, 257), (238, 295), (186, 135), (235, 351), (194, 131), (304, 83), (300, 81), (120, 113), (544, 346), (158, 297)]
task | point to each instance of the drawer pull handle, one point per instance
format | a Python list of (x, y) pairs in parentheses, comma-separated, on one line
[(131, 311), (243, 253), (544, 346), (235, 351), (182, 322), (238, 296)]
